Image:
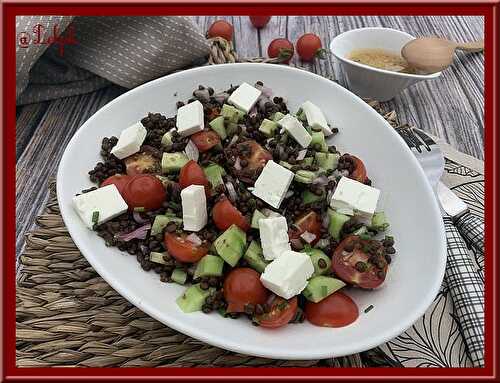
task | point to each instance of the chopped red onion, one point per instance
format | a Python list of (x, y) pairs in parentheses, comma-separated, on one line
[(243, 127), (261, 102), (289, 193), (266, 91), (344, 173), (330, 195), (232, 192), (138, 218), (221, 97), (301, 155), (325, 221), (322, 243), (237, 164), (297, 243), (139, 233), (192, 151), (308, 237), (330, 140), (253, 112), (202, 95), (194, 239), (321, 180)]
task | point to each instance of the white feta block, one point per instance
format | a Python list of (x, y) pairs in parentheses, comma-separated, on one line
[(102, 204), (287, 275), (315, 117), (194, 208), (273, 236), (130, 141), (190, 118), (351, 195), (295, 129), (273, 183), (244, 97)]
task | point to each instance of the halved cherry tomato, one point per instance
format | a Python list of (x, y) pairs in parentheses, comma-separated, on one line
[(221, 28), (282, 312), (367, 274), (192, 174), (119, 180), (183, 250), (281, 48), (336, 310), (309, 47), (205, 140), (255, 156), (241, 287), (359, 173), (310, 222), (259, 21), (141, 163), (144, 190), (225, 215)]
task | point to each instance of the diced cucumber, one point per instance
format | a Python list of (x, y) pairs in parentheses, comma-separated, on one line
[(286, 165), (173, 162), (209, 266), (193, 298), (231, 113), (257, 215), (230, 245), (308, 161), (268, 127), (308, 197), (301, 115), (254, 257), (214, 174), (217, 124), (179, 276), (157, 257), (316, 255), (305, 176), (318, 138), (319, 287), (231, 129), (379, 221), (166, 140), (337, 220), (277, 116), (161, 221), (327, 161)]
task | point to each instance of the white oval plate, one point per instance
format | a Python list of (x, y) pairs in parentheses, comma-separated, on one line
[(414, 276)]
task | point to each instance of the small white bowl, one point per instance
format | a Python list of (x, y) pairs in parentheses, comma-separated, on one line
[(367, 81)]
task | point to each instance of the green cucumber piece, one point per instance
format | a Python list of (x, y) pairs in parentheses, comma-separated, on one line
[(316, 255), (336, 221), (308, 161), (327, 161), (318, 138), (277, 116), (301, 115), (379, 221), (268, 127), (305, 176), (254, 257), (161, 221), (319, 287), (286, 165), (173, 162), (230, 245), (231, 113), (257, 215), (179, 276), (217, 124), (157, 257), (308, 197), (232, 128), (166, 140), (214, 174), (209, 266), (193, 298)]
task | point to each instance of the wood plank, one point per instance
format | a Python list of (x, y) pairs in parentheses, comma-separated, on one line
[(27, 120)]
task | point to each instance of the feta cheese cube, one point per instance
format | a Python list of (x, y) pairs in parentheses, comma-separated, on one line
[(273, 236), (273, 183), (315, 117), (351, 195), (194, 208), (190, 118), (103, 204), (130, 141), (244, 97), (295, 129), (287, 275)]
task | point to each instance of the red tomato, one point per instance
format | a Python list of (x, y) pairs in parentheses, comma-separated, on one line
[(282, 312), (241, 287), (256, 157), (348, 253), (310, 222), (225, 214), (359, 173), (260, 21), (141, 163), (309, 47), (205, 140), (144, 190), (119, 180), (281, 48), (192, 174), (336, 310), (183, 250), (221, 28)]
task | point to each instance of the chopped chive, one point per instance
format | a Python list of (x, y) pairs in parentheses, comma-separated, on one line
[(368, 309), (139, 209), (324, 290), (95, 217)]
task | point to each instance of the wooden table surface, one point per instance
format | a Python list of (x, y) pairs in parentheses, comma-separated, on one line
[(450, 107)]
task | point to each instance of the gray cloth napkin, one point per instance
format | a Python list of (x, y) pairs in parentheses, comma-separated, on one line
[(124, 50)]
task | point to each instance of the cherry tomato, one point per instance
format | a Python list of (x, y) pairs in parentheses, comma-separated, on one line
[(192, 174), (205, 140), (355, 266), (221, 28), (144, 190), (282, 312), (255, 156), (336, 310), (309, 47), (119, 180), (282, 48), (182, 249), (310, 222), (225, 215), (359, 173), (241, 287), (260, 21), (141, 163)]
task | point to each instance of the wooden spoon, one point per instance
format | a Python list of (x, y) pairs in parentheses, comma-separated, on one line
[(432, 54)]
